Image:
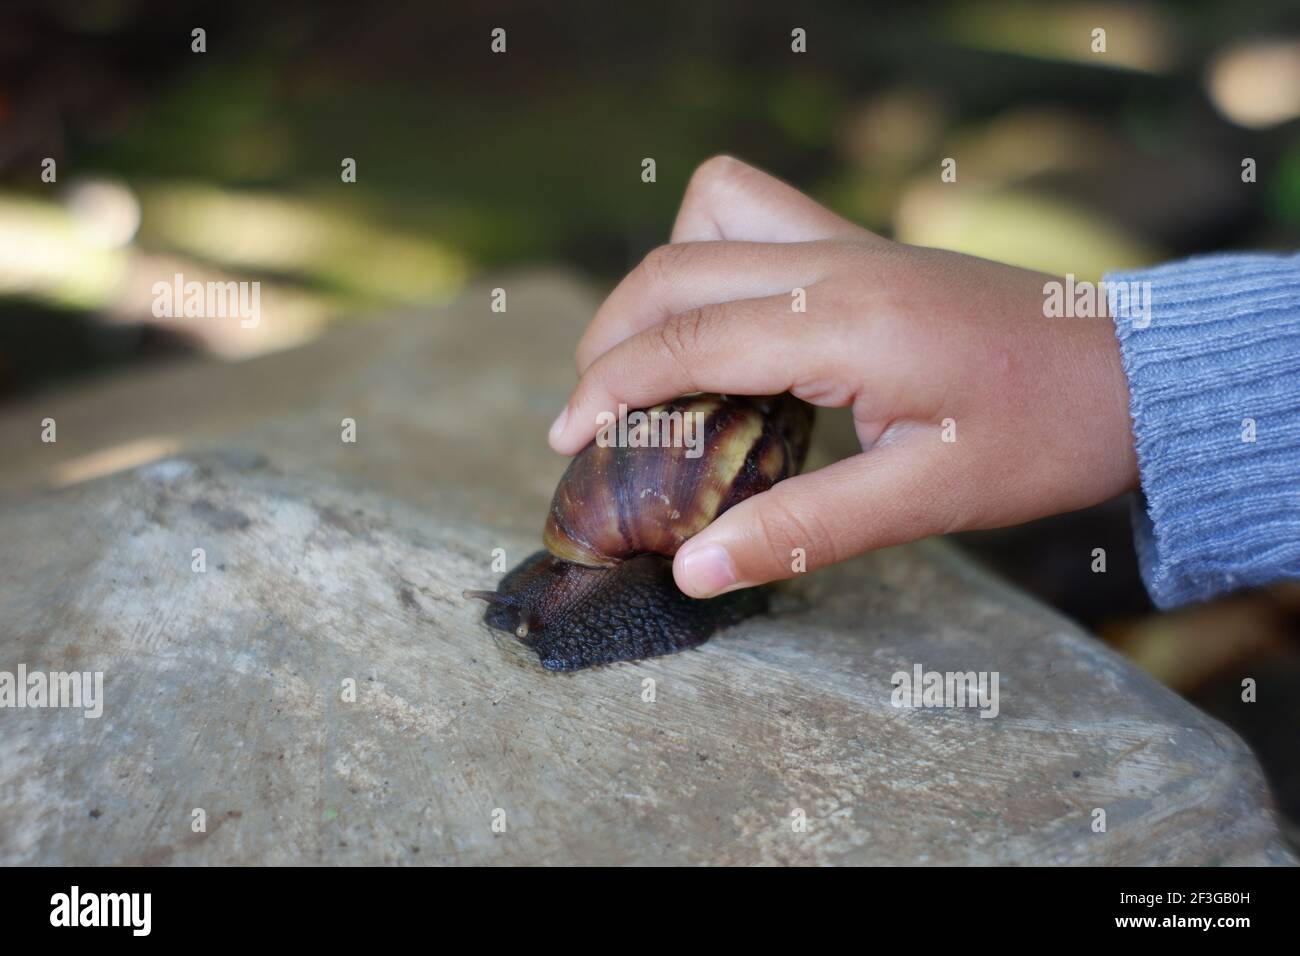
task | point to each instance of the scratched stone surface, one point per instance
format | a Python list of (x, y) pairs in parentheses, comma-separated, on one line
[(328, 561)]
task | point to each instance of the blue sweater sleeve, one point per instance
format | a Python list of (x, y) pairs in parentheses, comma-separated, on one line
[(1213, 366)]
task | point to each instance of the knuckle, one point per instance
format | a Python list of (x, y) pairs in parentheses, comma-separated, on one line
[(946, 518), (589, 391), (715, 171), (703, 325), (781, 529), (582, 355), (682, 336), (661, 265), (956, 509)]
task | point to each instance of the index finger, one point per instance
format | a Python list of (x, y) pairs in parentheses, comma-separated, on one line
[(751, 347), (683, 276)]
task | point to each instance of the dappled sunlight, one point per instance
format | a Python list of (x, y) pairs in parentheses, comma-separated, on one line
[(98, 247), (1018, 227), (1257, 84), (109, 461), (302, 237), (1021, 143), (289, 315), (105, 210), (1138, 37), (46, 254)]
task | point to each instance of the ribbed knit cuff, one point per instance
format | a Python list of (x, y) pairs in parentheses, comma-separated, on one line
[(1213, 366)]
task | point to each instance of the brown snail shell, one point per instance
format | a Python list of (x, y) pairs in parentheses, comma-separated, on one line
[(603, 590)]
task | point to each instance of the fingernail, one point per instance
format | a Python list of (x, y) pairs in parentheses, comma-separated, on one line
[(709, 570), (557, 427)]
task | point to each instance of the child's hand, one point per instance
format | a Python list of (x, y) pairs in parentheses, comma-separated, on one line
[(924, 345)]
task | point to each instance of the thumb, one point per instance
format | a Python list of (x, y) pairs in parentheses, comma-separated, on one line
[(897, 492)]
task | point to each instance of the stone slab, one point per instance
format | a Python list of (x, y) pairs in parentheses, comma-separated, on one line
[(327, 562)]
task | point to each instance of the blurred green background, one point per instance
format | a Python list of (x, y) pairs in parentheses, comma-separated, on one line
[(228, 161), (226, 165)]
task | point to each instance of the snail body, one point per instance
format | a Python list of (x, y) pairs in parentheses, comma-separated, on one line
[(603, 589)]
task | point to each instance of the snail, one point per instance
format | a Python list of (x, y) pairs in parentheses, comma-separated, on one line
[(603, 589)]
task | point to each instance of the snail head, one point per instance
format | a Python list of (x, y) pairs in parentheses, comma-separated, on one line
[(538, 595)]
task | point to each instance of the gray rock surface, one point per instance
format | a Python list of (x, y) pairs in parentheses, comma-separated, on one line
[(326, 561)]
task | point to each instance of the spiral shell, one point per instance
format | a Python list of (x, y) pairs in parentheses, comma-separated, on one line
[(671, 479)]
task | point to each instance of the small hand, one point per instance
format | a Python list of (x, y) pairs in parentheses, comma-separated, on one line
[(973, 410)]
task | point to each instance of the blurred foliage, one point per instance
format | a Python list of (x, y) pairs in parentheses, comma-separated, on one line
[(535, 154)]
